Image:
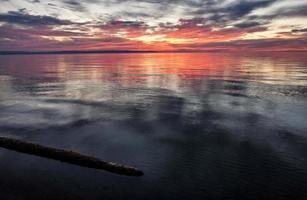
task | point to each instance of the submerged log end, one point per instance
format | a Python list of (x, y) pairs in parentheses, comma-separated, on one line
[(125, 170)]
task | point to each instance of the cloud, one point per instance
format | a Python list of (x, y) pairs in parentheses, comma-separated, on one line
[(125, 28), (245, 7), (281, 9), (23, 40), (248, 24), (12, 32), (34, 1), (304, 30), (278, 44), (21, 17), (75, 5), (230, 11)]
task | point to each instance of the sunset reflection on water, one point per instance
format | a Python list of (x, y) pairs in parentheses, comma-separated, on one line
[(158, 69)]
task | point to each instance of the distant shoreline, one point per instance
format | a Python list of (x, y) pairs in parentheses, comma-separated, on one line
[(130, 51), (69, 52)]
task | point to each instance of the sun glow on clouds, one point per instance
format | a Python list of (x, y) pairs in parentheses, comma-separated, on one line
[(153, 25), (58, 38), (163, 38)]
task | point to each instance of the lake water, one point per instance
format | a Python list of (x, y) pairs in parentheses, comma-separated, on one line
[(200, 125)]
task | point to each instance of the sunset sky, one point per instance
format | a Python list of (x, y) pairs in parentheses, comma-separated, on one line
[(167, 25)]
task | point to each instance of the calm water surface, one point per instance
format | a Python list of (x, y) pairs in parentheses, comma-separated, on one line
[(201, 126)]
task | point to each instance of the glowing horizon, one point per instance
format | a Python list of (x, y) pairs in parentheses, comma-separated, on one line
[(153, 25)]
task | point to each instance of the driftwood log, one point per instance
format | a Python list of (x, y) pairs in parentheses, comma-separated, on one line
[(67, 156)]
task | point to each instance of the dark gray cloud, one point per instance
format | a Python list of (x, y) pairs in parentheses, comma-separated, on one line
[(133, 24), (72, 2), (304, 30), (248, 24), (285, 12), (21, 17), (136, 14), (228, 13), (34, 1), (75, 5), (51, 4), (244, 7)]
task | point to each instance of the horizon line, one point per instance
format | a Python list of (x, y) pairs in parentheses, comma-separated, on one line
[(134, 51)]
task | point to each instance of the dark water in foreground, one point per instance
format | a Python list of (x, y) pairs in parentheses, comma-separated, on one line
[(201, 126)]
